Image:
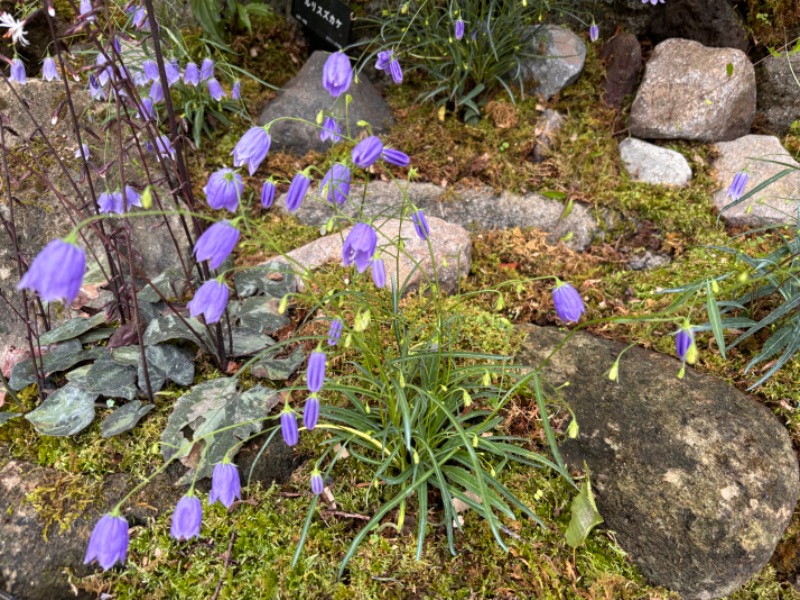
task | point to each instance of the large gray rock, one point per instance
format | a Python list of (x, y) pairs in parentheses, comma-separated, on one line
[(451, 244), (687, 94), (480, 207), (778, 97), (649, 163), (303, 98), (697, 479), (559, 59), (777, 203)]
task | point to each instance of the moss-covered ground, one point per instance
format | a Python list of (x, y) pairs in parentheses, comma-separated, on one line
[(247, 552)]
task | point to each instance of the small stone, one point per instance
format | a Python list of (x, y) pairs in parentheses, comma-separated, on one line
[(547, 128), (623, 56), (559, 59), (649, 163)]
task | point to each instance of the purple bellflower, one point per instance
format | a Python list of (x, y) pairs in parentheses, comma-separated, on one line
[(210, 300), (207, 69), (150, 69), (156, 92), (226, 485), (335, 332), (316, 371), (395, 157), (132, 197), (108, 542), (387, 61), (173, 71), (367, 151), (95, 88), (164, 147), (379, 273), (18, 72), (289, 426), (187, 518), (49, 70), (110, 203), (140, 79), (85, 8), (147, 110), (568, 302), (297, 191), (685, 347), (191, 75), (236, 93), (337, 74), (311, 412), (359, 246), (317, 484), (335, 184), (56, 272), (459, 29), (140, 18), (224, 189), (251, 149), (267, 194), (421, 225), (104, 73), (216, 243), (331, 130), (84, 150), (737, 185), (215, 89), (594, 32), (384, 56)]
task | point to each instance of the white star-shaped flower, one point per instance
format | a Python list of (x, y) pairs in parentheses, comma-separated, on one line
[(16, 29)]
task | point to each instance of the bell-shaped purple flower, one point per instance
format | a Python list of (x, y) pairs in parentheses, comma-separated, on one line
[(49, 70), (17, 72), (224, 189), (737, 185), (83, 150), (140, 79), (396, 71), (367, 151), (85, 8), (459, 29), (147, 110), (207, 69), (395, 157), (150, 69), (335, 184), (311, 413), (56, 272), (110, 203), (156, 92), (378, 273), (140, 18), (216, 243), (267, 194), (337, 74), (108, 542), (226, 486), (215, 89), (316, 371), (95, 88), (317, 484), (187, 518), (594, 32), (684, 344), (297, 191), (164, 147), (335, 332), (421, 225), (173, 71), (210, 300), (568, 302), (132, 197), (387, 61), (104, 71), (359, 246), (331, 130), (289, 426), (236, 92), (191, 75), (251, 149), (384, 58)]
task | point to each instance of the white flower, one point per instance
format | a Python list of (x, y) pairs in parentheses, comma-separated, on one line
[(16, 29)]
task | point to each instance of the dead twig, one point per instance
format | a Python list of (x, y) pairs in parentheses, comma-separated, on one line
[(228, 553), (346, 515)]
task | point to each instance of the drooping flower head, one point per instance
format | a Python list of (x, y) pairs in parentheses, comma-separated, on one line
[(359, 246), (17, 72), (216, 243), (49, 70), (331, 130), (210, 300), (86, 8), (83, 150), (110, 203), (594, 32), (311, 412), (191, 75), (215, 89), (387, 61), (378, 273), (568, 302), (207, 69), (297, 191), (738, 184), (108, 542), (367, 151), (56, 272), (316, 371), (335, 332), (289, 429), (317, 484), (156, 93), (187, 518), (267, 194), (335, 184), (685, 347), (150, 69), (421, 225), (337, 74), (226, 486), (224, 189), (236, 92), (251, 149), (173, 72), (395, 157), (95, 88), (459, 29), (164, 147), (132, 197), (140, 18)]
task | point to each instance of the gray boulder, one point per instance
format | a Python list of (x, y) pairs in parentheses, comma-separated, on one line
[(649, 163), (481, 208), (559, 59), (687, 94), (623, 58), (778, 203), (778, 92), (697, 479), (303, 98)]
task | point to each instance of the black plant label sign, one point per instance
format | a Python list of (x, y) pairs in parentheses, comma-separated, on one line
[(329, 19)]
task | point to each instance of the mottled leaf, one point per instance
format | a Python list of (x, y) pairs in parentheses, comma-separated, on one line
[(6, 416), (171, 327), (124, 418), (108, 378), (167, 363), (67, 412), (277, 369), (97, 335), (260, 313), (126, 355), (59, 358), (78, 376), (171, 283), (72, 329), (273, 279)]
